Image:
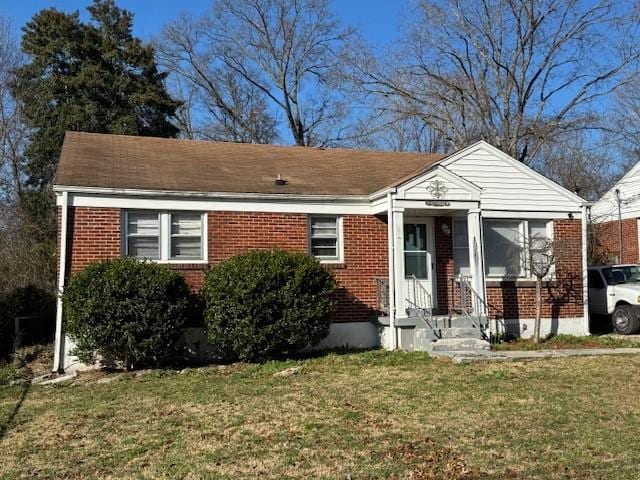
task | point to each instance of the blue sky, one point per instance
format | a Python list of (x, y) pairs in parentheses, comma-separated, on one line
[(377, 19)]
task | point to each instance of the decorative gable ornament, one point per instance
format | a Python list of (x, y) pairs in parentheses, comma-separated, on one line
[(437, 189)]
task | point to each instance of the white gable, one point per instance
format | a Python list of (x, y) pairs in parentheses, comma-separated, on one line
[(509, 185), (439, 184), (606, 208)]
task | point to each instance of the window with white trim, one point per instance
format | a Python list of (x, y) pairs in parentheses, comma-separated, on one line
[(186, 236), (505, 243), (461, 247), (173, 237), (143, 235), (324, 237)]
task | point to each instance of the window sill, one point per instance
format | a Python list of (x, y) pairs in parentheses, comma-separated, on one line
[(519, 282), (334, 265), (187, 266)]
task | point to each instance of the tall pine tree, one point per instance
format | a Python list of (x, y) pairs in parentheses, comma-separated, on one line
[(93, 77)]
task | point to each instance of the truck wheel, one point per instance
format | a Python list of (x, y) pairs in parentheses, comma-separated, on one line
[(625, 321)]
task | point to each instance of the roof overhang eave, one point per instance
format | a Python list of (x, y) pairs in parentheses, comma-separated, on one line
[(221, 195)]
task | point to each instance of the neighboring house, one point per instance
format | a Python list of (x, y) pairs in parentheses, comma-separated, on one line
[(447, 233), (615, 220)]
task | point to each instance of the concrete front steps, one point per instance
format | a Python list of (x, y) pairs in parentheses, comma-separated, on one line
[(456, 334), (458, 345), (438, 334)]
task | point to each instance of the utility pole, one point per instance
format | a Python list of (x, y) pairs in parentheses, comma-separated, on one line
[(619, 202)]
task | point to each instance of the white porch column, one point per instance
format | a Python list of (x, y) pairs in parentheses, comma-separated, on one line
[(398, 263), (476, 256), (58, 352)]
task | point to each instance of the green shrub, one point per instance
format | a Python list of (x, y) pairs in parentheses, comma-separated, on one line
[(126, 310), (266, 304), (29, 301)]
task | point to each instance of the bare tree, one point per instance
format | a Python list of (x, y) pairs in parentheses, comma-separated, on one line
[(541, 254), (218, 104), (516, 73), (257, 57), (24, 259), (12, 129), (585, 165)]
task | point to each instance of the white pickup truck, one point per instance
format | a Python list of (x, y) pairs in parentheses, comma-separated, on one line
[(615, 290)]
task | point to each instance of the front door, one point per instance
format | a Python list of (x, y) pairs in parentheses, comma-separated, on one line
[(418, 263)]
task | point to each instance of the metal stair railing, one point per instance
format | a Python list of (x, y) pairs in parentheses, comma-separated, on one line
[(420, 300), (473, 306)]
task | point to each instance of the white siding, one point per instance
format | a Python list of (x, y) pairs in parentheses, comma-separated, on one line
[(506, 186), (606, 209)]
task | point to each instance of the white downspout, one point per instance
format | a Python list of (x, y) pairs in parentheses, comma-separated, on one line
[(585, 278), (58, 353), (392, 276)]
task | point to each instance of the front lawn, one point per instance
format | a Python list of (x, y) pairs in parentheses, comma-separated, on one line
[(364, 415), (559, 342)]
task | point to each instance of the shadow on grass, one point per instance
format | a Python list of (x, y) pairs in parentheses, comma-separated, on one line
[(6, 423)]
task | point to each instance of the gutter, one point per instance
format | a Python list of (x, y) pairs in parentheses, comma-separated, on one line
[(58, 353), (196, 194)]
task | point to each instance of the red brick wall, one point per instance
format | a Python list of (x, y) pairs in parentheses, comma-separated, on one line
[(606, 244), (231, 233), (444, 264), (561, 297), (94, 233), (365, 260)]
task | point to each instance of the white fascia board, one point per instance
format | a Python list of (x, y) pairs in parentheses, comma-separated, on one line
[(381, 205), (519, 165), (280, 205), (195, 194), (447, 205), (531, 214)]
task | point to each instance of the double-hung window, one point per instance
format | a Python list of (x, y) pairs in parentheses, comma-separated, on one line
[(506, 243), (143, 235), (324, 238), (186, 236), (173, 237)]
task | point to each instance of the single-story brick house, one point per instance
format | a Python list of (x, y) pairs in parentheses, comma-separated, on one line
[(415, 240), (615, 219)]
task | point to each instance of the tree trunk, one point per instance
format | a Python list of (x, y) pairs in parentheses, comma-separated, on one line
[(536, 327)]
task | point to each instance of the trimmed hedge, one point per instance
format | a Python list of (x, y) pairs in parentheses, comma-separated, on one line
[(126, 310), (267, 304)]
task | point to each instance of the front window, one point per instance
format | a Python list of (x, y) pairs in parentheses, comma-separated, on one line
[(503, 248), (186, 236), (164, 236), (506, 245), (624, 274), (324, 237), (143, 235)]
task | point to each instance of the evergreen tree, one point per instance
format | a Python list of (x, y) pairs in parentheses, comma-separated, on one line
[(94, 77)]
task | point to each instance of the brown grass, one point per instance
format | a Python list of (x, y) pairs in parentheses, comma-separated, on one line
[(368, 415)]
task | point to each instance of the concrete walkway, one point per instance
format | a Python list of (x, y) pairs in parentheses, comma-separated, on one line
[(524, 355)]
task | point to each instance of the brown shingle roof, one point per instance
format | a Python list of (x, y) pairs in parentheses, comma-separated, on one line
[(127, 162)]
